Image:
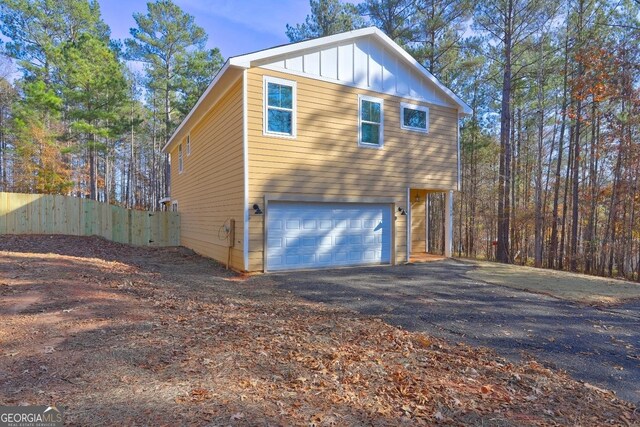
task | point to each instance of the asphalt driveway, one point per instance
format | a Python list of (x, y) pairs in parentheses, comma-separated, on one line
[(597, 345)]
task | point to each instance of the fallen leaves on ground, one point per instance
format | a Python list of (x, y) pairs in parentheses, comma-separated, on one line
[(162, 336)]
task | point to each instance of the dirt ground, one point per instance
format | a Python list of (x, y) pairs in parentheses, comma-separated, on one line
[(139, 336), (579, 288)]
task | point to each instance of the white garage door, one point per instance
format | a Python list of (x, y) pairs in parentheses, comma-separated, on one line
[(317, 235)]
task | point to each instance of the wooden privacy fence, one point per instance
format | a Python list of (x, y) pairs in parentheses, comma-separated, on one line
[(48, 214)]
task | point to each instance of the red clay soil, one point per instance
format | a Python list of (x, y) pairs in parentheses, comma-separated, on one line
[(120, 335)]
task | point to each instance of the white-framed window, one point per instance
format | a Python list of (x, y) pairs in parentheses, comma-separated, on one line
[(279, 107), (370, 121), (180, 159), (414, 117), (174, 206), (188, 144)]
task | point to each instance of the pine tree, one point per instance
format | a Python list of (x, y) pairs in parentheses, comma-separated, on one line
[(168, 41), (327, 17), (95, 91)]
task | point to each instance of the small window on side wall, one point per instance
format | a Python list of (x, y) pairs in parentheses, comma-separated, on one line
[(180, 160), (370, 121), (414, 117), (188, 144), (279, 107), (174, 206)]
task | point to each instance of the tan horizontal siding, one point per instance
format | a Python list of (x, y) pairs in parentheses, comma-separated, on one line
[(324, 159), (327, 132), (305, 145), (210, 190)]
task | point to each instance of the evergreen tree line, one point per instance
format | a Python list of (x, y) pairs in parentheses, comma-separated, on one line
[(80, 120), (549, 157)]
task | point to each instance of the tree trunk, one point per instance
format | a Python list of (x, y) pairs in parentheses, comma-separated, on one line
[(565, 197), (93, 166), (575, 205), (593, 193), (553, 246), (504, 183), (537, 258)]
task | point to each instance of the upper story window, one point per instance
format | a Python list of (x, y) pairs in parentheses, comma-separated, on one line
[(371, 121), (414, 117), (279, 107), (180, 160), (174, 206), (188, 144)]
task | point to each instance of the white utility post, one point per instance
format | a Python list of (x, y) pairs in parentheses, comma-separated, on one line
[(408, 219), (448, 224), (426, 223)]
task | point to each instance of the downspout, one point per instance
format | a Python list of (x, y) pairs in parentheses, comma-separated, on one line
[(245, 158), (408, 211)]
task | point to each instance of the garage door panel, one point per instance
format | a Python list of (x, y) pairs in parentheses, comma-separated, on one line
[(292, 242), (341, 223), (341, 257), (293, 224), (292, 259), (355, 239), (325, 234), (274, 261), (309, 242), (369, 224), (275, 242), (309, 259), (324, 224), (355, 255)]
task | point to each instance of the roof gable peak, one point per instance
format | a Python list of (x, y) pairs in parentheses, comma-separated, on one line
[(365, 58)]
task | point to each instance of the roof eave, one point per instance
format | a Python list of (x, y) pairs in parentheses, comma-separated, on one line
[(206, 93), (465, 112)]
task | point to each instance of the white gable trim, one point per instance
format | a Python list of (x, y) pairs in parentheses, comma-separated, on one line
[(261, 58), (216, 80), (248, 59)]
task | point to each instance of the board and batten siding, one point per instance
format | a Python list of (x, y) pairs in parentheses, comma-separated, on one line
[(210, 189), (324, 160), (362, 62)]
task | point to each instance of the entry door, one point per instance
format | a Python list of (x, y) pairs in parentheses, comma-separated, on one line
[(322, 235)]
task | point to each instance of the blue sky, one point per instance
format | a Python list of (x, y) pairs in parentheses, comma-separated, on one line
[(234, 26)]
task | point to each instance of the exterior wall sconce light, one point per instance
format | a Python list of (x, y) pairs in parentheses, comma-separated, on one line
[(257, 209), (417, 198), (402, 211)]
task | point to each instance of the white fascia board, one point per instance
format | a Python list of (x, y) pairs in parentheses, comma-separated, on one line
[(246, 60), (213, 83)]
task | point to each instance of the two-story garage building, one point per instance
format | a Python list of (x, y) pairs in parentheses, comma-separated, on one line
[(316, 154)]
